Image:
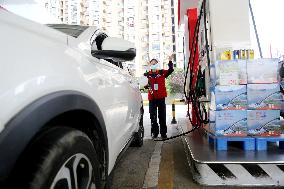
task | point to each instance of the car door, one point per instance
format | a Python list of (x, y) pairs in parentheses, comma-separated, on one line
[(118, 102), (112, 92), (135, 101), (109, 88)]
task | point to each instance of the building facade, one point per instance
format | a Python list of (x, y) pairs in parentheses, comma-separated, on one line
[(150, 24), (160, 34)]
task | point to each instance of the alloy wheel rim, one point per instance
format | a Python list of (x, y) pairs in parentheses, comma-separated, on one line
[(75, 173)]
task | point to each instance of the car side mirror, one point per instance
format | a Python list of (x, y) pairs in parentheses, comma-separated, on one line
[(113, 48)]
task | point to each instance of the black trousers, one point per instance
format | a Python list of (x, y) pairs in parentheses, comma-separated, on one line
[(161, 106)]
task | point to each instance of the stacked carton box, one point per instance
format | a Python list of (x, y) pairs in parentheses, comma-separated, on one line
[(228, 98), (262, 71), (230, 123), (230, 72), (232, 97), (263, 122), (245, 98), (264, 98)]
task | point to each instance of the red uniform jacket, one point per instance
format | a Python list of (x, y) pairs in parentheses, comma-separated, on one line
[(156, 82)]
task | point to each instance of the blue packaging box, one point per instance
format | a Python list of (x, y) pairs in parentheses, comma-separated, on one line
[(262, 71), (229, 72), (264, 122), (231, 123), (232, 97), (264, 96)]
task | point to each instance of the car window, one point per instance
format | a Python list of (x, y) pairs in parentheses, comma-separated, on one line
[(72, 30), (118, 64)]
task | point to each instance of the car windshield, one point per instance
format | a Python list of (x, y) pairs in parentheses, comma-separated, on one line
[(72, 30)]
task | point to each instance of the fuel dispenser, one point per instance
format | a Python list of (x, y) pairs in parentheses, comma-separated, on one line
[(220, 30)]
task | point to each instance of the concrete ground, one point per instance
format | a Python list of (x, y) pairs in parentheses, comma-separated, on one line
[(156, 165)]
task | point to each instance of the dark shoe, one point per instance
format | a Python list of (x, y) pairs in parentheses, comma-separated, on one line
[(164, 136), (155, 136)]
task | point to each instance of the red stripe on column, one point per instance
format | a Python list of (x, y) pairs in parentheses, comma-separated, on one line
[(192, 15)]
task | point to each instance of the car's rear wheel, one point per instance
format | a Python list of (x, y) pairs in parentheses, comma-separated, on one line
[(67, 160)]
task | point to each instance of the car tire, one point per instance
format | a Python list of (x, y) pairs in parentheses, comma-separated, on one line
[(139, 136), (65, 158)]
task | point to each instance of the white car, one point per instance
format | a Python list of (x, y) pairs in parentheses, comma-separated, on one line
[(66, 113)]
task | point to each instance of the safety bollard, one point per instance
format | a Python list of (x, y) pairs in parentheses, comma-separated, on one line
[(174, 121)]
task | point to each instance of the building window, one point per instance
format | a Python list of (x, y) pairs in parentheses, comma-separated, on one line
[(130, 11), (155, 37), (156, 9), (156, 47), (156, 56), (145, 38), (130, 21)]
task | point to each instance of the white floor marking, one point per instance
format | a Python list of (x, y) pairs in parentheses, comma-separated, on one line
[(152, 175), (274, 172)]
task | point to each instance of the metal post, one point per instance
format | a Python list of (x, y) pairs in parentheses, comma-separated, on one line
[(255, 30), (174, 121)]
